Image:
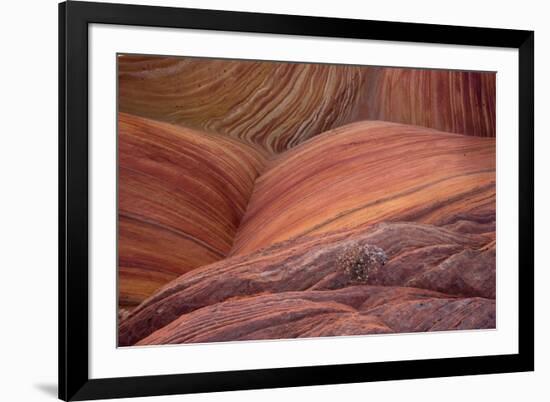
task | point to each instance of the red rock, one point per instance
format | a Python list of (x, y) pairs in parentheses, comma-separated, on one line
[(253, 209), (356, 310), (370, 172), (182, 194), (454, 101), (311, 264), (276, 105)]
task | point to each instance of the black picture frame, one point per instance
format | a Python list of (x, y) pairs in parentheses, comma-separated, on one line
[(74, 381)]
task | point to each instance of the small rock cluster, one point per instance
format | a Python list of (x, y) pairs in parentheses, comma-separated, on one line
[(358, 261)]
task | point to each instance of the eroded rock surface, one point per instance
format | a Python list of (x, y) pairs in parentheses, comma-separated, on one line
[(426, 257), (181, 196)]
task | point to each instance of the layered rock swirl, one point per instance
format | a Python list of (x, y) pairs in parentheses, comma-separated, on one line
[(277, 105), (436, 278), (277, 200), (181, 196), (369, 172), (454, 101), (426, 198)]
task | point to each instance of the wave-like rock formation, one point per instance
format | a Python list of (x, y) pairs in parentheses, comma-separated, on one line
[(267, 200), (277, 105), (351, 311), (182, 194), (435, 278), (274, 105), (370, 172), (453, 101)]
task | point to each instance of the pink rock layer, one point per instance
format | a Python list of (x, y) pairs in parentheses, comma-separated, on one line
[(365, 173), (182, 194)]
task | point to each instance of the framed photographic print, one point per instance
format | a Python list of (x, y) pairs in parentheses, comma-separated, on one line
[(258, 200)]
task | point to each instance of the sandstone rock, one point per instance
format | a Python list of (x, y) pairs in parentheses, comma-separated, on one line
[(277, 106), (311, 264), (181, 197), (376, 172), (352, 311)]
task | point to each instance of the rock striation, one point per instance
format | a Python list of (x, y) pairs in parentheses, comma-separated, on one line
[(181, 196), (276, 105), (272, 105), (266, 200), (352, 311), (376, 172), (453, 101), (436, 261)]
